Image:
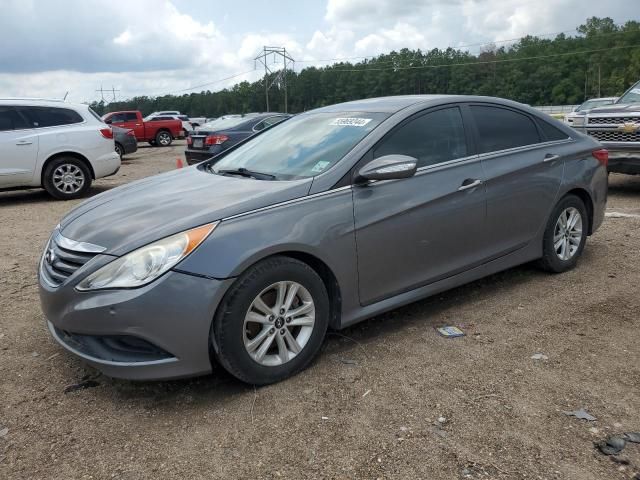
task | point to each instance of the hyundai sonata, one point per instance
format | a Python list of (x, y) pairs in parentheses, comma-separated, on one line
[(331, 217)]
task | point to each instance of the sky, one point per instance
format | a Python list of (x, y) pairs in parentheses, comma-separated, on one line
[(155, 47)]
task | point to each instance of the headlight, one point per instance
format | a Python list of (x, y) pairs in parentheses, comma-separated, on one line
[(144, 265), (578, 121)]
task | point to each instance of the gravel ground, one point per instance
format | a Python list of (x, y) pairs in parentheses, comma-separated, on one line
[(388, 398)]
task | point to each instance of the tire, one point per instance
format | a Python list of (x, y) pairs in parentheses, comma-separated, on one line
[(163, 138), (152, 143), (233, 330), (570, 243), (119, 150), (66, 178)]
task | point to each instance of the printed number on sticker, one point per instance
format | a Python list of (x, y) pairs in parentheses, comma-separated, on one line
[(350, 122)]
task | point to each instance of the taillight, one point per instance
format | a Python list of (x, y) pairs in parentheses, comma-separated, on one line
[(215, 139), (189, 140), (602, 156), (107, 133), (130, 133)]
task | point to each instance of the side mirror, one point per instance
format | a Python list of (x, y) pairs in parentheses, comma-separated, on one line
[(389, 167)]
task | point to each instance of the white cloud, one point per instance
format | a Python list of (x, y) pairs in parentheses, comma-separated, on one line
[(153, 46)]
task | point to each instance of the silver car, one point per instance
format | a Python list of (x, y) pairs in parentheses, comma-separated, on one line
[(336, 215)]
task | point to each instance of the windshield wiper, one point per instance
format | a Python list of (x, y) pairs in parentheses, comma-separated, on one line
[(243, 172)]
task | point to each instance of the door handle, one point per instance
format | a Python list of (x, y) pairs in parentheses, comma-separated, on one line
[(549, 157), (138, 124), (24, 142), (469, 183)]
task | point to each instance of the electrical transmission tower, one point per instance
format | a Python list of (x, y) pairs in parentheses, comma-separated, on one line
[(280, 75), (102, 92)]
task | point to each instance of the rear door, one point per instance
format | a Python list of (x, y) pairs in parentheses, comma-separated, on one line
[(419, 230), (18, 149), (523, 174)]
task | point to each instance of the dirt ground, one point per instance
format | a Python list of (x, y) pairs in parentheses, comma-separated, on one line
[(388, 398)]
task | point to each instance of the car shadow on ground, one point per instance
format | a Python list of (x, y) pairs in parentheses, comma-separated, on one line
[(351, 342), (39, 195), (625, 185)]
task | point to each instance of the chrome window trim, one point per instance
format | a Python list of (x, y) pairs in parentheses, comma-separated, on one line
[(525, 148), (288, 202), (448, 163), (76, 246)]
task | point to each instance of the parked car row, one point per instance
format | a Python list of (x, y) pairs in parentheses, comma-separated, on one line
[(225, 132)]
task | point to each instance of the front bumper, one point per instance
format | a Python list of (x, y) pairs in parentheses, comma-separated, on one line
[(159, 331), (623, 160)]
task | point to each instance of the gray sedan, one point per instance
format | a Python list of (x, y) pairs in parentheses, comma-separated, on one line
[(337, 215)]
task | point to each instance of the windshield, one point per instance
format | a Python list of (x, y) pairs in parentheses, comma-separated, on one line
[(303, 146), (589, 104), (632, 95)]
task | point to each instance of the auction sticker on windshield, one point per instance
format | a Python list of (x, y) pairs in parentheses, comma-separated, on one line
[(320, 166), (350, 122)]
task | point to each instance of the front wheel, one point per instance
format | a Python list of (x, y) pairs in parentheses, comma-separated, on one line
[(66, 178), (272, 321), (163, 138), (565, 235)]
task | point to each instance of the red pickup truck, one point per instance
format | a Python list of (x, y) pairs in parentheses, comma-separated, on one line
[(156, 132)]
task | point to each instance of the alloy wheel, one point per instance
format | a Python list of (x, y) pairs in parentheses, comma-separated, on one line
[(567, 234), (68, 178), (164, 139), (279, 323)]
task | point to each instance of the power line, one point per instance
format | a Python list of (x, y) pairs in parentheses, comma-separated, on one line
[(443, 49), (482, 62)]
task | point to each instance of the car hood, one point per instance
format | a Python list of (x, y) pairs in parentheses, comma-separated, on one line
[(141, 212), (617, 108)]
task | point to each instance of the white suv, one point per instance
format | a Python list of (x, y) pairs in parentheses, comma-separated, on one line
[(59, 146)]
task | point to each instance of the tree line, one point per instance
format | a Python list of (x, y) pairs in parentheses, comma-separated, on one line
[(602, 59)]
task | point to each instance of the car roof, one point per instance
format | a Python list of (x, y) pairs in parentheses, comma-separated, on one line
[(40, 102), (396, 103)]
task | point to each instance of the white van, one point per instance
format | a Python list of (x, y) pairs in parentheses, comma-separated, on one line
[(55, 145)]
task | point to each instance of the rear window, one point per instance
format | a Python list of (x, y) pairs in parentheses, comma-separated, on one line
[(224, 123), (40, 117), (500, 128), (11, 120)]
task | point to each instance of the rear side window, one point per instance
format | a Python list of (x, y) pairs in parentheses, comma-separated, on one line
[(40, 117), (10, 119), (500, 129), (552, 133), (433, 138)]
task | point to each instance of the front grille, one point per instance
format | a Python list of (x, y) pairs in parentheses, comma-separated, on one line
[(62, 259), (611, 120), (614, 136)]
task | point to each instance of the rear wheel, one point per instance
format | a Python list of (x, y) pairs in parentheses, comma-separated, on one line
[(66, 178), (163, 138), (272, 321), (565, 235), (119, 150)]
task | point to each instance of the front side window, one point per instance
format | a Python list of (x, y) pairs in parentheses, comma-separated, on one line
[(40, 117), (304, 146), (433, 138), (130, 117), (500, 128), (116, 118), (10, 119)]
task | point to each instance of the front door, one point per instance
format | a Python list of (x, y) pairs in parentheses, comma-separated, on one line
[(18, 149), (418, 230)]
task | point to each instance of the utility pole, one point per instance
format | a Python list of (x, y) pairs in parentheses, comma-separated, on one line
[(113, 90), (102, 90), (281, 75), (599, 95)]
